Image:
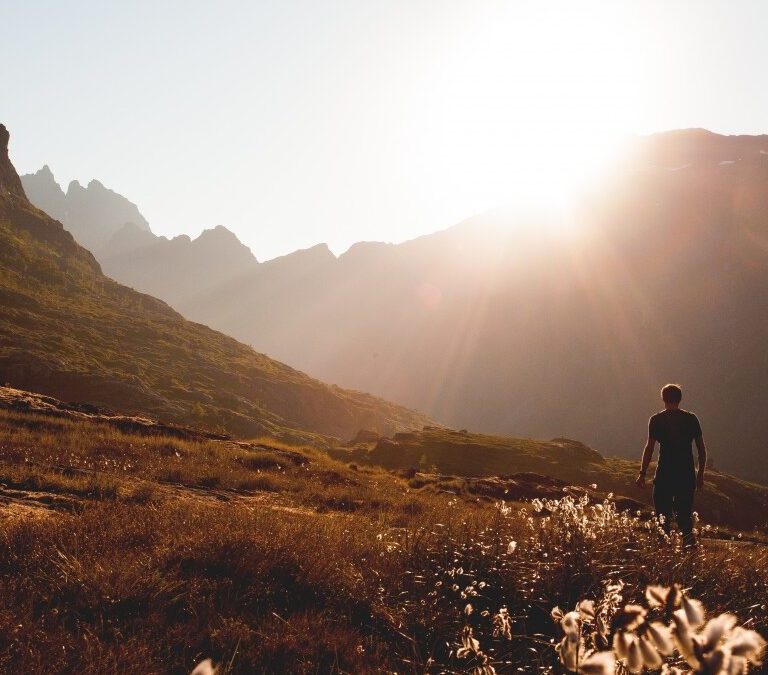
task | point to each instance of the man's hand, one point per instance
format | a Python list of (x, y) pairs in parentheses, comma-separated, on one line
[(640, 482), (700, 481)]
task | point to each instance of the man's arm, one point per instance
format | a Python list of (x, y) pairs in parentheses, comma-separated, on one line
[(702, 461), (647, 456)]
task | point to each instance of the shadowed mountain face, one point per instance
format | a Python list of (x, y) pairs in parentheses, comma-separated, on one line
[(69, 331), (513, 324)]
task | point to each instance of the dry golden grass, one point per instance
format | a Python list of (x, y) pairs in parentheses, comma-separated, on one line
[(309, 566)]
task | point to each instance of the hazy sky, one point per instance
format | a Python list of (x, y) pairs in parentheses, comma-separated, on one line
[(295, 122)]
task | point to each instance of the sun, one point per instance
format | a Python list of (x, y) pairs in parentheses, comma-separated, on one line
[(531, 107)]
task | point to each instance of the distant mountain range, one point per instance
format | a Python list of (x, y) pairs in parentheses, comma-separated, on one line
[(508, 324), (69, 331), (113, 229), (92, 214)]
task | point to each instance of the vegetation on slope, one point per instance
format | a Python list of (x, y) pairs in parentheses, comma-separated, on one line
[(725, 498), (69, 331), (164, 547)]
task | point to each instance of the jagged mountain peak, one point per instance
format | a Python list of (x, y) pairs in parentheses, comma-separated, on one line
[(219, 232), (93, 214), (221, 239), (45, 172)]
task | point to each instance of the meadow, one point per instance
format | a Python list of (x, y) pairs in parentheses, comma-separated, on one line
[(144, 552)]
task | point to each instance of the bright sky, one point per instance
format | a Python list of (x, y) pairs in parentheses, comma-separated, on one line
[(297, 121)]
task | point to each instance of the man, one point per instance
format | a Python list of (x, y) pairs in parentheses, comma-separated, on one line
[(675, 481)]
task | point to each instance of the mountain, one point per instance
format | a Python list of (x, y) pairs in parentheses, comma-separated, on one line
[(520, 323), (92, 214), (69, 331), (507, 323), (113, 229), (182, 267)]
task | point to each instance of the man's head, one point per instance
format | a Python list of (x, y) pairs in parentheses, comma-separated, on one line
[(671, 394)]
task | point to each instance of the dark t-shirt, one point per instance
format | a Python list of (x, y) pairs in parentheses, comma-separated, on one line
[(675, 431)]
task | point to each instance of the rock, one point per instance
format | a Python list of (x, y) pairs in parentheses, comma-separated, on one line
[(10, 183)]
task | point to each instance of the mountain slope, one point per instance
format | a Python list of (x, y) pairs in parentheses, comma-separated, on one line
[(69, 331), (520, 323)]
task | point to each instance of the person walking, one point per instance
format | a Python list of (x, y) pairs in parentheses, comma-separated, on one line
[(675, 480)]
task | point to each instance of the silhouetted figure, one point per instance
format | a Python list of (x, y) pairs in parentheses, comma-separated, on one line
[(676, 480)]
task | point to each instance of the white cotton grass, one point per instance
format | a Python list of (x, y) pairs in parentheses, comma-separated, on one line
[(669, 634), (205, 667), (679, 642), (470, 645)]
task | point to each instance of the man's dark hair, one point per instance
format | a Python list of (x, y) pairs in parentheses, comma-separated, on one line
[(672, 393)]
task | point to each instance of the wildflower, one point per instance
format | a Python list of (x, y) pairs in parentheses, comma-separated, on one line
[(621, 641), (598, 663), (660, 636), (649, 654), (694, 611), (502, 624), (469, 644), (746, 644), (716, 629), (571, 651), (204, 668), (684, 637), (634, 656), (586, 609), (571, 625), (630, 617)]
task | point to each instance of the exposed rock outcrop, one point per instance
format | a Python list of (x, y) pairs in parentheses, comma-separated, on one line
[(10, 184)]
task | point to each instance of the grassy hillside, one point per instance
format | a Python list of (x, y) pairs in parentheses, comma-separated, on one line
[(69, 331), (725, 499), (132, 547)]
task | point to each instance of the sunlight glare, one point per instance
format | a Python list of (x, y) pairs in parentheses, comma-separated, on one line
[(532, 108)]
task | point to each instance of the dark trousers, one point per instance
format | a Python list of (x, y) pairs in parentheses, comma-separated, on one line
[(675, 499)]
